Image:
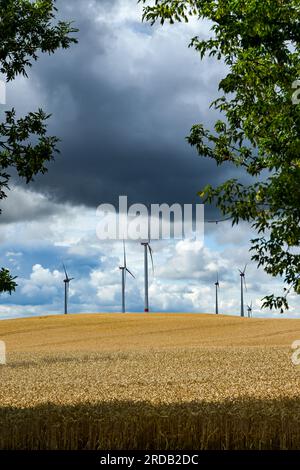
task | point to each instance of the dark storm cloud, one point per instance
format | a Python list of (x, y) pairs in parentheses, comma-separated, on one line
[(122, 103)]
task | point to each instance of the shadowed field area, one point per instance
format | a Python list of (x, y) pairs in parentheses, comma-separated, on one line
[(243, 424), (155, 381)]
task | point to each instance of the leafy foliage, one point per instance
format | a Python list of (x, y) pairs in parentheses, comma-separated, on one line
[(26, 28), (7, 282), (259, 41)]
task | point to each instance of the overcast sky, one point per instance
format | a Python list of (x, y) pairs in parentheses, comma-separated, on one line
[(123, 100)]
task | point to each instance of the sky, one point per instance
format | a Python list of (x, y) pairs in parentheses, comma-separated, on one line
[(122, 102)]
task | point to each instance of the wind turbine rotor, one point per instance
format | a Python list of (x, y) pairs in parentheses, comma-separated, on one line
[(67, 278)]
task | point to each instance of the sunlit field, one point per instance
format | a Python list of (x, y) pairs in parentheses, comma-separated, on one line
[(155, 381)]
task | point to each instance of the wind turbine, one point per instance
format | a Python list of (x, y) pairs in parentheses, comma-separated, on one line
[(217, 284), (147, 247), (67, 285), (243, 283), (124, 269), (249, 308)]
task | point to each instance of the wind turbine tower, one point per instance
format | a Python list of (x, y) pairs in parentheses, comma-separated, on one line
[(217, 284), (147, 248), (250, 308), (243, 283), (124, 269), (67, 281)]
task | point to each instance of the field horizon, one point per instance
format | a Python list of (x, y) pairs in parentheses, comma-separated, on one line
[(106, 330)]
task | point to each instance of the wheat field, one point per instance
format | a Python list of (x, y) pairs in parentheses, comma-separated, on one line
[(149, 381)]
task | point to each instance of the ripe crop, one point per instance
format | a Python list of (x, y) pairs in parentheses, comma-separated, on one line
[(161, 382)]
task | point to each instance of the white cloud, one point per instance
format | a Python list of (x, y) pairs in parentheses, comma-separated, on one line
[(42, 282)]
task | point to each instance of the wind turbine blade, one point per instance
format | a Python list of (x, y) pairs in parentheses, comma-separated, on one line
[(65, 271), (130, 272), (245, 284), (151, 256), (149, 223), (245, 268), (124, 251)]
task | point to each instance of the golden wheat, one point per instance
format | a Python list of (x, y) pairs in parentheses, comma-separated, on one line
[(152, 382)]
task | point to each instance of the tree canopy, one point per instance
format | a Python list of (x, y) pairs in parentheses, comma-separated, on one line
[(259, 41), (27, 28)]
